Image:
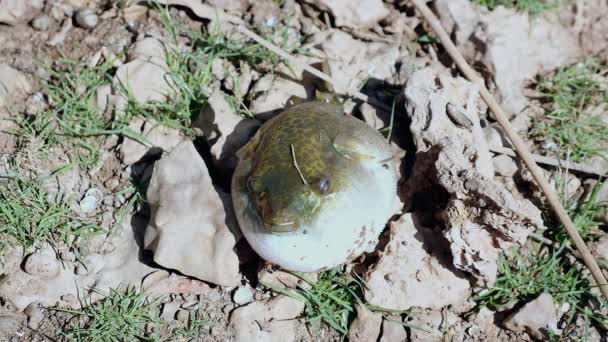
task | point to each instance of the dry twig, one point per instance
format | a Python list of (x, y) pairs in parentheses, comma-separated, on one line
[(518, 143)]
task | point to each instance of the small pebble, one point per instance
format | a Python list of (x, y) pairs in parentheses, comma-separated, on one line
[(91, 200), (242, 295), (44, 265), (182, 315), (86, 18), (67, 256), (34, 315), (41, 23)]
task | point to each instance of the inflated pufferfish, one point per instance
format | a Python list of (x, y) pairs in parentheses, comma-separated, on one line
[(314, 188)]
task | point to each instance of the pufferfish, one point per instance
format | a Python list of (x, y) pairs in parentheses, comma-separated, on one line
[(314, 188)]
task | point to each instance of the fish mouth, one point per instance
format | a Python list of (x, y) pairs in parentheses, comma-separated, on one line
[(280, 227)]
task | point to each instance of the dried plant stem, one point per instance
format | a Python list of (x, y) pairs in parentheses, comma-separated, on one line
[(518, 143), (295, 164)]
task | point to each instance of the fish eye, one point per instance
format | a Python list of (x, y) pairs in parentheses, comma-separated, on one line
[(324, 185)]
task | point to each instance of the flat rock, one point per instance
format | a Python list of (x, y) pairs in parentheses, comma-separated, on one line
[(158, 136), (144, 76), (352, 61), (225, 131), (481, 216), (393, 331), (515, 48), (12, 83), (354, 14), (366, 327), (537, 318), (408, 276), (273, 93), (187, 229), (504, 165), (162, 283), (270, 320)]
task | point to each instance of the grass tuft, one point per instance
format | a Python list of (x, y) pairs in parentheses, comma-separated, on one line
[(29, 215), (121, 316), (570, 94), (534, 8), (331, 299)]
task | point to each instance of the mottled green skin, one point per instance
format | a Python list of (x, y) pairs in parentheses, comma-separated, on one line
[(327, 144)]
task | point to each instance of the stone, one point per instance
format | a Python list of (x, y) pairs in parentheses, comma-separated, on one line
[(145, 76), (168, 311), (42, 263), (515, 48), (242, 295), (481, 217), (366, 326), (225, 131), (159, 136), (351, 62), (270, 320), (504, 165), (86, 18), (493, 137), (537, 318), (162, 283), (393, 331), (272, 94), (35, 315), (41, 22), (187, 229), (12, 83), (354, 15), (408, 276), (91, 200)]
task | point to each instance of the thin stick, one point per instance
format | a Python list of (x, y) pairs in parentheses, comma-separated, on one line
[(355, 93), (518, 143), (295, 164), (565, 164)]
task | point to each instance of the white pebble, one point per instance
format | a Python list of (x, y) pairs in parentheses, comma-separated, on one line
[(41, 23), (86, 18), (91, 200), (242, 295)]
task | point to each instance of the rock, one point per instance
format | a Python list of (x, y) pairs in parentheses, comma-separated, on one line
[(91, 200), (145, 73), (35, 315), (515, 48), (86, 18), (537, 318), (352, 62), (407, 275), (283, 279), (353, 15), (452, 161), (162, 283), (482, 326), (270, 320), (12, 84), (393, 331), (521, 123), (493, 137), (43, 264), (159, 136), (182, 316), (120, 267), (8, 324), (41, 22), (430, 324), (504, 165), (242, 295), (600, 248), (225, 131), (272, 94), (13, 11), (366, 327), (168, 311), (187, 229)]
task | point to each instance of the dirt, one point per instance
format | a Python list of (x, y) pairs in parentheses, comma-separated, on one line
[(461, 204)]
